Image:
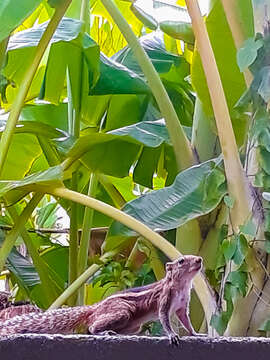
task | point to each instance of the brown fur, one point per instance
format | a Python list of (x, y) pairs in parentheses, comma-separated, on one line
[(14, 310), (124, 312)]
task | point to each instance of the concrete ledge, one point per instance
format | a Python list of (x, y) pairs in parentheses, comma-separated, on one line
[(83, 347)]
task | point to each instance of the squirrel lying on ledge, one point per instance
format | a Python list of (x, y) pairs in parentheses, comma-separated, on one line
[(9, 309), (124, 312)]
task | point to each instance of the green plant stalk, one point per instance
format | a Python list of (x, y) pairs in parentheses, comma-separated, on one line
[(79, 282), (27, 80), (209, 248), (3, 48), (200, 284), (70, 105), (73, 242), (14, 233), (74, 130), (84, 15), (188, 237), (155, 262), (230, 9), (132, 256), (77, 260), (47, 287), (181, 145), (86, 233), (204, 140), (237, 183)]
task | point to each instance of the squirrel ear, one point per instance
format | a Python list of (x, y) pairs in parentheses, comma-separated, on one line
[(169, 266)]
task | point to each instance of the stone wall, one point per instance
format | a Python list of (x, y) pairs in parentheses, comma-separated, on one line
[(72, 347)]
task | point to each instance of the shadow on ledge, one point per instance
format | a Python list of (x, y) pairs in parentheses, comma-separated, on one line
[(83, 347)]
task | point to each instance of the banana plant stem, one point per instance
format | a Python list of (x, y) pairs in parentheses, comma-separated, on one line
[(230, 9), (237, 182), (86, 233)]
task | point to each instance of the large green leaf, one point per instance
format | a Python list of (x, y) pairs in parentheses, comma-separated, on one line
[(172, 19), (116, 78), (25, 142), (102, 153), (125, 110), (12, 14), (173, 71), (37, 128), (153, 135), (55, 116), (27, 146), (77, 52), (79, 56), (21, 46), (48, 177), (195, 192), (153, 44), (149, 133), (22, 269), (68, 48), (57, 259)]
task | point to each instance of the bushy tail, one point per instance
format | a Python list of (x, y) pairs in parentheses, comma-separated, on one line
[(60, 321)]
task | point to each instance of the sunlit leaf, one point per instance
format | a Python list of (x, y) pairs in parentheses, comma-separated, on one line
[(195, 192), (52, 175)]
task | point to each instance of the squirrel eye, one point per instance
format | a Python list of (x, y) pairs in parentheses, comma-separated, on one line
[(181, 261)]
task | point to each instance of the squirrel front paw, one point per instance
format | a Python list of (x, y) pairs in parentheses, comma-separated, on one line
[(174, 339)]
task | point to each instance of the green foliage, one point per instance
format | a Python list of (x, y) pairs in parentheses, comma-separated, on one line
[(228, 248), (195, 192), (115, 273), (177, 23), (247, 54), (12, 16), (52, 175), (232, 250), (265, 326), (90, 84), (220, 321), (47, 215)]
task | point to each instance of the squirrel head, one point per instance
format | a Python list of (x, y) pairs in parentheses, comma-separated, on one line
[(184, 268)]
